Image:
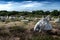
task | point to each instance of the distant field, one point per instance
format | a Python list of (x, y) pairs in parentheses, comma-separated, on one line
[(28, 24)]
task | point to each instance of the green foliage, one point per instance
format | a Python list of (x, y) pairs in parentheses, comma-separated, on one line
[(55, 13), (4, 31), (32, 14), (44, 37), (17, 29)]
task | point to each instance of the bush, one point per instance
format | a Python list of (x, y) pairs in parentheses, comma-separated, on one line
[(45, 37), (4, 31), (17, 29)]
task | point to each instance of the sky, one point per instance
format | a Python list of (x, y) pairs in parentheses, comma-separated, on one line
[(29, 5)]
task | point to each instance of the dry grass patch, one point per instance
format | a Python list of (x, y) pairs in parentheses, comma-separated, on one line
[(30, 25)]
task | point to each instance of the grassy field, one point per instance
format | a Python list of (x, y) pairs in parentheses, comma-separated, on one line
[(21, 30)]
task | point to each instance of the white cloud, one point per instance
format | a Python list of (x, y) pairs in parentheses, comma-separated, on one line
[(31, 5), (26, 6), (19, 6), (5, 6)]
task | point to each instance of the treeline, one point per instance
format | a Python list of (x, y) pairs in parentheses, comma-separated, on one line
[(33, 13)]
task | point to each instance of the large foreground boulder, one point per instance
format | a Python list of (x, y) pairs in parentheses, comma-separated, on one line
[(43, 24)]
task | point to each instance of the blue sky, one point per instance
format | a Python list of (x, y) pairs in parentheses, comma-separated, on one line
[(29, 5)]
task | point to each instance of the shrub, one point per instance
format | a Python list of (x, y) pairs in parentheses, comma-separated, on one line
[(44, 37), (4, 31), (17, 29)]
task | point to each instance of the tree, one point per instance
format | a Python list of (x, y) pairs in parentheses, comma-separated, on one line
[(54, 13), (47, 12), (3, 13)]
